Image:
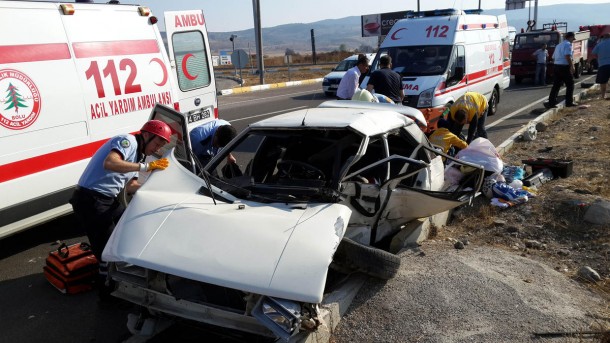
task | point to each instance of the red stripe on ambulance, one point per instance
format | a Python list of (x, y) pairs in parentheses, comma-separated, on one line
[(116, 48), (48, 161), (34, 52)]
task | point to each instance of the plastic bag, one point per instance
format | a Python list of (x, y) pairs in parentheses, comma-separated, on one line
[(483, 153)]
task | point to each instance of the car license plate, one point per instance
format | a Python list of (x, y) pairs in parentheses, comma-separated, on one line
[(193, 117), (333, 87)]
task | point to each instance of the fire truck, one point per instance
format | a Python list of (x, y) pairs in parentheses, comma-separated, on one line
[(523, 64), (596, 31)]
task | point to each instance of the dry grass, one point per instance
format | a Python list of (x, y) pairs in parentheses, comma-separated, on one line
[(554, 218)]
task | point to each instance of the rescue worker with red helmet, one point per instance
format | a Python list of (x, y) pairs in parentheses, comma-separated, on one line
[(114, 166)]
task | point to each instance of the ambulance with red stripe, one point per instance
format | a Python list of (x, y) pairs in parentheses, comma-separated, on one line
[(442, 54), (72, 75)]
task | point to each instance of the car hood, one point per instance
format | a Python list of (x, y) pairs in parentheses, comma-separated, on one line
[(335, 75), (280, 250)]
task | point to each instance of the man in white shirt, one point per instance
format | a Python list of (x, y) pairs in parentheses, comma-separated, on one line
[(563, 71), (541, 56), (350, 81)]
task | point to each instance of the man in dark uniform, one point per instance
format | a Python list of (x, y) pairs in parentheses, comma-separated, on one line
[(114, 166), (386, 81)]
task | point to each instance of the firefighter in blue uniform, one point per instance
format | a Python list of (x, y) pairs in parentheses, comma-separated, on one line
[(115, 166)]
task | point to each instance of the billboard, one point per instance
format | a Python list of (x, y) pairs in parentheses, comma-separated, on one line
[(375, 25)]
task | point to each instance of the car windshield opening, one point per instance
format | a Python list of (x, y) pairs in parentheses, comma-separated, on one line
[(286, 165)]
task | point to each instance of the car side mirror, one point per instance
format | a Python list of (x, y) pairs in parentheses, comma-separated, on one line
[(459, 73)]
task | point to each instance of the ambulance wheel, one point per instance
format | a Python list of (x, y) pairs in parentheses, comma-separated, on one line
[(493, 102), (518, 79), (374, 262)]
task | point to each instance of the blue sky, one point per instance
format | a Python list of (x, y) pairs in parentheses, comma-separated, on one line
[(236, 15)]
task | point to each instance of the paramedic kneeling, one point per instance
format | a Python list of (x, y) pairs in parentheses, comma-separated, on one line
[(114, 166), (471, 108)]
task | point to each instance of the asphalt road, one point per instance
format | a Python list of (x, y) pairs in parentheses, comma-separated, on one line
[(32, 311)]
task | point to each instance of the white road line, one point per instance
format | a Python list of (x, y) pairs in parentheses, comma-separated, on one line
[(514, 113), (268, 114), (273, 97)]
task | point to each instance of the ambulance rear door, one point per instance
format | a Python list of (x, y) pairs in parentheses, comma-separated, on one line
[(191, 66)]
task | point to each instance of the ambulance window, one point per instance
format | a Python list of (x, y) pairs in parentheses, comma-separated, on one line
[(192, 64)]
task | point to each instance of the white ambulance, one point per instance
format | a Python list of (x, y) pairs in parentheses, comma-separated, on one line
[(73, 75), (442, 54)]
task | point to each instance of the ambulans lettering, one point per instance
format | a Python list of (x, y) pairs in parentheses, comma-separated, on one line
[(189, 20), (437, 31), (410, 87), (110, 108), (20, 101)]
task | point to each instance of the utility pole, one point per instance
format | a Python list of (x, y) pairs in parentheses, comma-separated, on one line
[(232, 39), (259, 39), (313, 47)]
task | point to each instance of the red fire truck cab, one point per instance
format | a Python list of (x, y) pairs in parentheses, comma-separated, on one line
[(597, 31), (523, 63)]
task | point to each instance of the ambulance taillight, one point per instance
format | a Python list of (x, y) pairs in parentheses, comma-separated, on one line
[(153, 20), (177, 106), (67, 9), (216, 113)]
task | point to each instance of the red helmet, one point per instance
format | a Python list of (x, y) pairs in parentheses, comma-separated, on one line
[(159, 128)]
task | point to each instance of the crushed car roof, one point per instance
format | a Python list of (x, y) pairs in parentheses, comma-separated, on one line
[(365, 121)]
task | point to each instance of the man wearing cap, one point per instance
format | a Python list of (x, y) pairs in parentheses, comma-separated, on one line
[(563, 71), (114, 166)]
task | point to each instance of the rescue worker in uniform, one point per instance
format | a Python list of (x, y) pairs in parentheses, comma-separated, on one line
[(471, 108), (209, 138), (114, 166)]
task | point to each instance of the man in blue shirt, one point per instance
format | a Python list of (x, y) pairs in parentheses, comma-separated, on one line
[(350, 81), (207, 139), (602, 50), (114, 166), (563, 71)]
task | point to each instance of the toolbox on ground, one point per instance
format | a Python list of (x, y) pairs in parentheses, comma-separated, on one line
[(559, 167), (538, 177), (72, 269)]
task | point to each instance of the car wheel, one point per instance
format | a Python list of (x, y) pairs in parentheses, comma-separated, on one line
[(368, 260), (493, 103)]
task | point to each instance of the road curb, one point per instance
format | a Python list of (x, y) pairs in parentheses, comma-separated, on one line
[(336, 304), (240, 90)]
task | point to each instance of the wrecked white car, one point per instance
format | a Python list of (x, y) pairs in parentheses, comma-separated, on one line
[(256, 245)]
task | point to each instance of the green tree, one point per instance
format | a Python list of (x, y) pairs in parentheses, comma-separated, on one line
[(342, 47), (14, 99)]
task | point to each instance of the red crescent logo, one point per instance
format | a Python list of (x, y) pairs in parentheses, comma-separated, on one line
[(162, 65), (184, 70), (393, 36)]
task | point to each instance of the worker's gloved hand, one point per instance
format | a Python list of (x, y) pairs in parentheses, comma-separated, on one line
[(161, 164)]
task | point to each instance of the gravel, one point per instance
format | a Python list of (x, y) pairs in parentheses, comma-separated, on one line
[(478, 294)]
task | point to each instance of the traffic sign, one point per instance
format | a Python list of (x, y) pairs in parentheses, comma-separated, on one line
[(239, 58)]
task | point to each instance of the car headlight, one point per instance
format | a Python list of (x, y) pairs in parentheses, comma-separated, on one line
[(325, 80), (425, 98), (281, 316)]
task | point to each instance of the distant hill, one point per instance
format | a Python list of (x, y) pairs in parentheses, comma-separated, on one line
[(331, 33)]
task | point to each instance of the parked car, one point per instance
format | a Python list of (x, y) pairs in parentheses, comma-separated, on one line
[(254, 246), (332, 79)]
